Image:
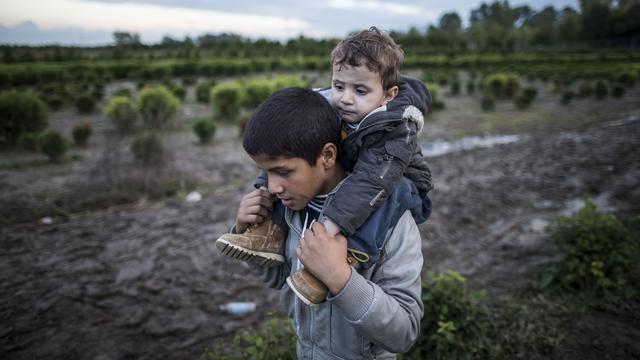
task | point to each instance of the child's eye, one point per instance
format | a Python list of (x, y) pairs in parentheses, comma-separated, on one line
[(361, 92), (283, 173), (337, 87)]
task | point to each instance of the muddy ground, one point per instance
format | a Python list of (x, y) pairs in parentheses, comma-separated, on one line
[(111, 279)]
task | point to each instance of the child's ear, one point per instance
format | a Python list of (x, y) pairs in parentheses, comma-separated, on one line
[(390, 94)]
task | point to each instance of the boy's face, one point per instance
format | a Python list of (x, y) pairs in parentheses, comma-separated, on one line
[(356, 91), (293, 180)]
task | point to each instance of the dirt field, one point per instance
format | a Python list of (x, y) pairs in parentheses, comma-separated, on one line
[(111, 279)]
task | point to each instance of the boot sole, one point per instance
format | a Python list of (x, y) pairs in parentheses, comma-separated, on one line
[(301, 296), (240, 253)]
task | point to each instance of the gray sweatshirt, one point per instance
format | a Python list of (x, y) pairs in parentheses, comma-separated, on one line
[(378, 312)]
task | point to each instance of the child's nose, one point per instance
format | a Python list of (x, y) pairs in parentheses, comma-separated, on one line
[(347, 98)]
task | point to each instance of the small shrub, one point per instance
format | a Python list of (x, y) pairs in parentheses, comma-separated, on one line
[(627, 78), (54, 101), (471, 87), (123, 91), (617, 91), (203, 91), (456, 323), (156, 106), (585, 89), (488, 103), (274, 341), (31, 141), (121, 111), (179, 92), (226, 100), (85, 104), (434, 90), (567, 96), (601, 90), (204, 129), (188, 81), (522, 102), (530, 93), (501, 85), (54, 145), (147, 149), (20, 112), (455, 87), (597, 255), (81, 133)]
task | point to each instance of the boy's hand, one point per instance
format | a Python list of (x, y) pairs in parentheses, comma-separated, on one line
[(254, 208), (325, 256)]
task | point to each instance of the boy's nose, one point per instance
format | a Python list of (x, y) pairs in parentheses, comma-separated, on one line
[(275, 187)]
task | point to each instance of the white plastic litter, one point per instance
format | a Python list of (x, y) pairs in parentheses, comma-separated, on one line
[(47, 220), (193, 196), (238, 308)]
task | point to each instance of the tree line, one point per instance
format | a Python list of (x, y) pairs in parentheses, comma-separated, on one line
[(492, 27)]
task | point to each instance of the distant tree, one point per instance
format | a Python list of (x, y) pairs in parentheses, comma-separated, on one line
[(123, 38), (543, 24), (595, 20), (569, 26)]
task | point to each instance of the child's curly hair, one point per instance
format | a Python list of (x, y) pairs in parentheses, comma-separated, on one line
[(373, 48)]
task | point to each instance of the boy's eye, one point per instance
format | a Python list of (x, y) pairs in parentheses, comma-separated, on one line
[(337, 86), (361, 91), (283, 173)]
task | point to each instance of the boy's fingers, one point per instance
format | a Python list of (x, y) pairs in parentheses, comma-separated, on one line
[(318, 229)]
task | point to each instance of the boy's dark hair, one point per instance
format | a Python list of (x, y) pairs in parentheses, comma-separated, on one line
[(292, 122), (373, 48)]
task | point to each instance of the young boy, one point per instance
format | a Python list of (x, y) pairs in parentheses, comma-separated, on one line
[(381, 115)]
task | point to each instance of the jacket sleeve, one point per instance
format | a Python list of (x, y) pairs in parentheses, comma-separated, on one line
[(382, 161), (387, 309)]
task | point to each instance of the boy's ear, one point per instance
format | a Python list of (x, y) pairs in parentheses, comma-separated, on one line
[(390, 94), (328, 155)]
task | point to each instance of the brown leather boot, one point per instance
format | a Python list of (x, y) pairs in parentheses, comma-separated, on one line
[(308, 288), (261, 243)]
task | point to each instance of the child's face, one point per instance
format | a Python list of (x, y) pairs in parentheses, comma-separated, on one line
[(356, 91)]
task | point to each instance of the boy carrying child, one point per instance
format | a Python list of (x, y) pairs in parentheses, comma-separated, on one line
[(380, 116)]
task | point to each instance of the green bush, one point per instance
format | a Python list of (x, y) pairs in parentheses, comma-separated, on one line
[(54, 101), (204, 129), (455, 323), (501, 85), (179, 92), (156, 106), (147, 149), (122, 112), (274, 341), (455, 87), (434, 90), (597, 255), (203, 91), (54, 145), (85, 104), (258, 89), (567, 96), (471, 87), (31, 141), (585, 88), (226, 99), (81, 133), (20, 112), (601, 90), (530, 93), (617, 91), (521, 101), (123, 91), (488, 103)]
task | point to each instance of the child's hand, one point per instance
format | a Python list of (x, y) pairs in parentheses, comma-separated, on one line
[(254, 208), (325, 256)]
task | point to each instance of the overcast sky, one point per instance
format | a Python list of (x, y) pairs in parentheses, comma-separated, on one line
[(92, 22)]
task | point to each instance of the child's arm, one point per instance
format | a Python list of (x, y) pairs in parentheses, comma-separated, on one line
[(376, 172)]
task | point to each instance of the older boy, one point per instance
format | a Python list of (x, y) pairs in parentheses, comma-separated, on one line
[(381, 115), (370, 312)]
